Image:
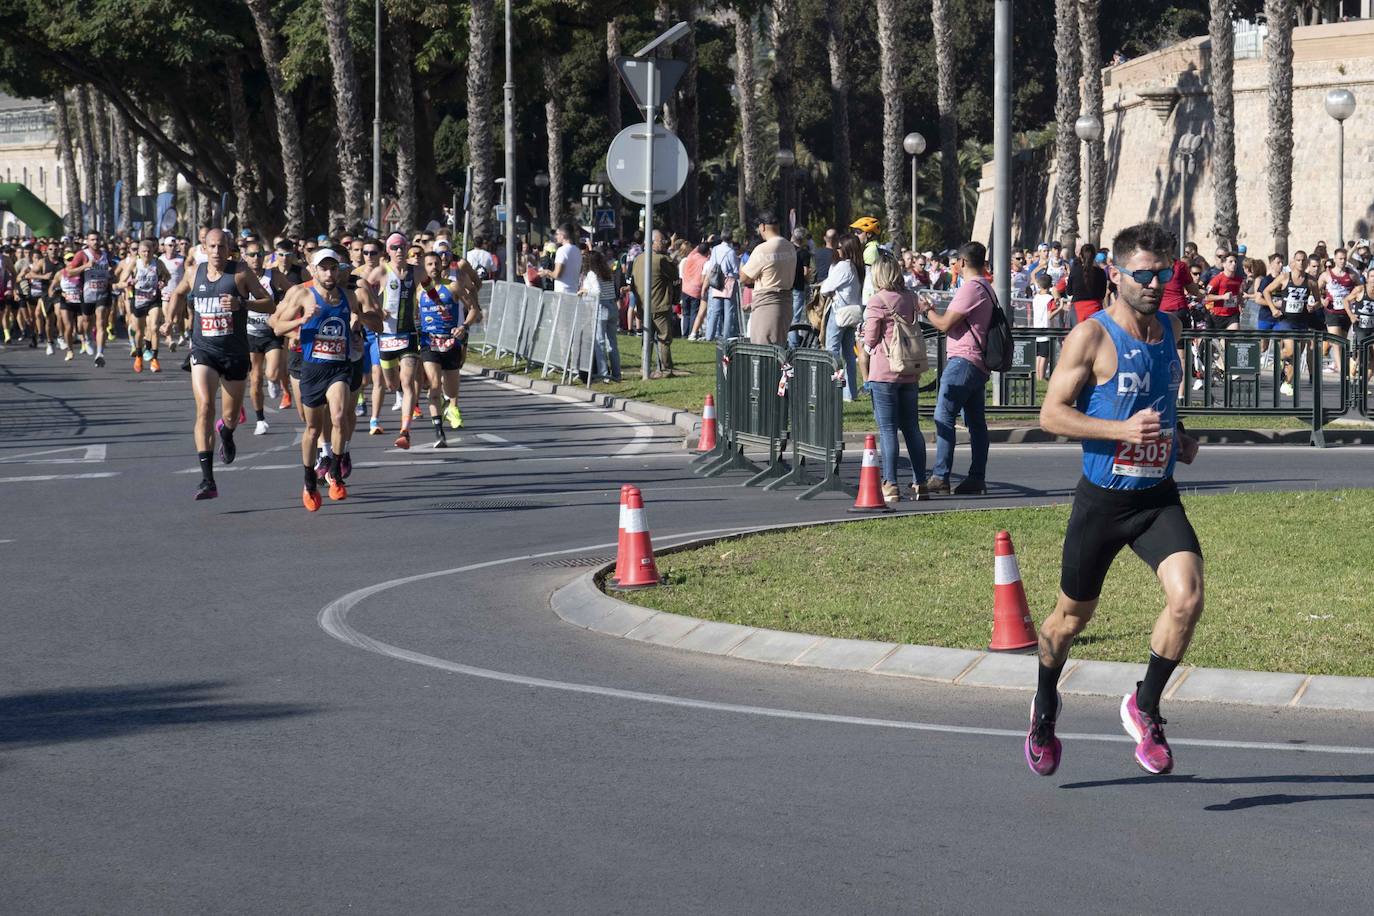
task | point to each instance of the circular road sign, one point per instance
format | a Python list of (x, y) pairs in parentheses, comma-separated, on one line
[(625, 163)]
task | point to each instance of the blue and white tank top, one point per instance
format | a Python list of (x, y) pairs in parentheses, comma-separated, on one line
[(325, 338), (438, 318), (1147, 377)]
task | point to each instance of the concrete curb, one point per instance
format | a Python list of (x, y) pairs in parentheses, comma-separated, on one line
[(583, 604)]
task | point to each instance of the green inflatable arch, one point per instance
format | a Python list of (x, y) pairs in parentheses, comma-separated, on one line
[(20, 201)]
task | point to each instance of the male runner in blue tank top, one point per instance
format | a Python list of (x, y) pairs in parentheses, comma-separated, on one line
[(1114, 389)]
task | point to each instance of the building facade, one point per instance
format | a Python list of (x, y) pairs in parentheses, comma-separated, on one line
[(29, 156)]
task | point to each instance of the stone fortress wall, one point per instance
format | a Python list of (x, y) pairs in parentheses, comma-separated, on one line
[(1142, 131)]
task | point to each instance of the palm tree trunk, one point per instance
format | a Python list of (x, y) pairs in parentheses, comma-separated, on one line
[(147, 167), (403, 112), (672, 111), (748, 116), (784, 26), (945, 101), (1224, 119), (71, 191), (1278, 55), (553, 127), (246, 179), (348, 111), (284, 115), (481, 137), (688, 117), (890, 82), (613, 76), (1066, 64), (90, 184), (128, 171), (100, 123), (1088, 15), (837, 51)]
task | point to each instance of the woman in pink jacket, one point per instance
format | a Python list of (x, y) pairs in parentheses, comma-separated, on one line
[(895, 396)]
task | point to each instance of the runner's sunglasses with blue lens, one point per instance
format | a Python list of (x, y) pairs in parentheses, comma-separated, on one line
[(1146, 277)]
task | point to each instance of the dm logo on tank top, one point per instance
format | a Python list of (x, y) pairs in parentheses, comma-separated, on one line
[(1132, 383)]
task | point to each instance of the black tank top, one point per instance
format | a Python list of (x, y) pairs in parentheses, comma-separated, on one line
[(1295, 297), (216, 330)]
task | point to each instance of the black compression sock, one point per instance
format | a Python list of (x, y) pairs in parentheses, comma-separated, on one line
[(1047, 691), (207, 464), (1157, 673), (154, 352), (438, 426), (261, 415), (335, 470), (311, 480)]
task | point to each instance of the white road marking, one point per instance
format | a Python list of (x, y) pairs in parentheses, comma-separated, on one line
[(643, 429), (37, 478), (90, 454), (497, 440), (333, 619)]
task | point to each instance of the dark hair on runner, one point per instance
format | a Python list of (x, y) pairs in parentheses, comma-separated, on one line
[(595, 262), (974, 254), (1151, 237)]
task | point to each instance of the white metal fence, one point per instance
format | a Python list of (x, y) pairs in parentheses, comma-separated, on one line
[(555, 331)]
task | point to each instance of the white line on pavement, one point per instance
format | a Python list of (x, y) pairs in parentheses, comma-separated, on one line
[(333, 619), (497, 440), (90, 454), (37, 478)]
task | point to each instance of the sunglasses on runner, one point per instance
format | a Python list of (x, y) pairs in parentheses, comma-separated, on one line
[(1146, 277), (371, 252), (395, 247)]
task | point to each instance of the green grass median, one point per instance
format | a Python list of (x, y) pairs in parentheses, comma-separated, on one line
[(1288, 581)]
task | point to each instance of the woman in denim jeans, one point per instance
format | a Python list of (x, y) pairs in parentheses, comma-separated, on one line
[(895, 397), (597, 285), (846, 281)]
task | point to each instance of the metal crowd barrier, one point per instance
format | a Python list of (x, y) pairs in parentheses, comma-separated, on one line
[(770, 398), (554, 331)]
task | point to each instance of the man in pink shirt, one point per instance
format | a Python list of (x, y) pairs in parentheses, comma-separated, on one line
[(964, 382)]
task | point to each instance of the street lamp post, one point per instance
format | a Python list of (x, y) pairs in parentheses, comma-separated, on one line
[(1187, 152), (377, 121), (786, 159), (1089, 129), (1340, 104), (915, 145)]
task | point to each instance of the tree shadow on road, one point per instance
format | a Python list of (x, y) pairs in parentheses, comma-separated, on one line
[(59, 716), (1246, 802)]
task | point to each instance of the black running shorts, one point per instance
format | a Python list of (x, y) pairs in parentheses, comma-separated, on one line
[(293, 364), (355, 378), (141, 311), (316, 379), (264, 343), (1151, 522), (448, 361), (230, 368)]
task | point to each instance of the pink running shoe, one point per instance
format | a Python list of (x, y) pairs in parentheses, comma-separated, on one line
[(1043, 749), (1151, 750)]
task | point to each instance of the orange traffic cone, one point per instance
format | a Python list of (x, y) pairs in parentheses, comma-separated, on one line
[(620, 537), (707, 442), (870, 497), (1012, 629), (640, 569)]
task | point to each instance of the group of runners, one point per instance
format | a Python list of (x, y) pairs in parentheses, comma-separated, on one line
[(313, 323)]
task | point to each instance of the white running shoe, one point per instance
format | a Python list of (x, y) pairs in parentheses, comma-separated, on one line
[(62, 343), (397, 404), (273, 390), (261, 428), (49, 348), (1197, 384), (1286, 390)]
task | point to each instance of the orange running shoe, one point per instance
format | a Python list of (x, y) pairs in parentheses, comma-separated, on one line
[(285, 399), (337, 490), (415, 413), (311, 499), (138, 363), (403, 440), (154, 365)]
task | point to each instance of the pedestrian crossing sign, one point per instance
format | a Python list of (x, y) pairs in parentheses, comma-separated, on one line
[(605, 218)]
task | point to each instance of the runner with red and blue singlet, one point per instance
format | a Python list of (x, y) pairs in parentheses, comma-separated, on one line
[(1114, 389)]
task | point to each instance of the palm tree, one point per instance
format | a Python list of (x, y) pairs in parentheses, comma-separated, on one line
[(783, 25), (1278, 53), (612, 75), (128, 169), (837, 50), (284, 114), (554, 90), (1089, 34), (1222, 37), (403, 114), (1066, 64), (481, 136), (890, 58), (71, 190), (147, 166), (748, 116), (85, 139), (689, 114), (246, 182), (945, 101), (348, 110), (100, 124)]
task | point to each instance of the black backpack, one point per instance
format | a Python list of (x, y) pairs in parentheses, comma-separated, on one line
[(997, 349)]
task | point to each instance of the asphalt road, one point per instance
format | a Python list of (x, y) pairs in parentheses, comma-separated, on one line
[(179, 733)]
